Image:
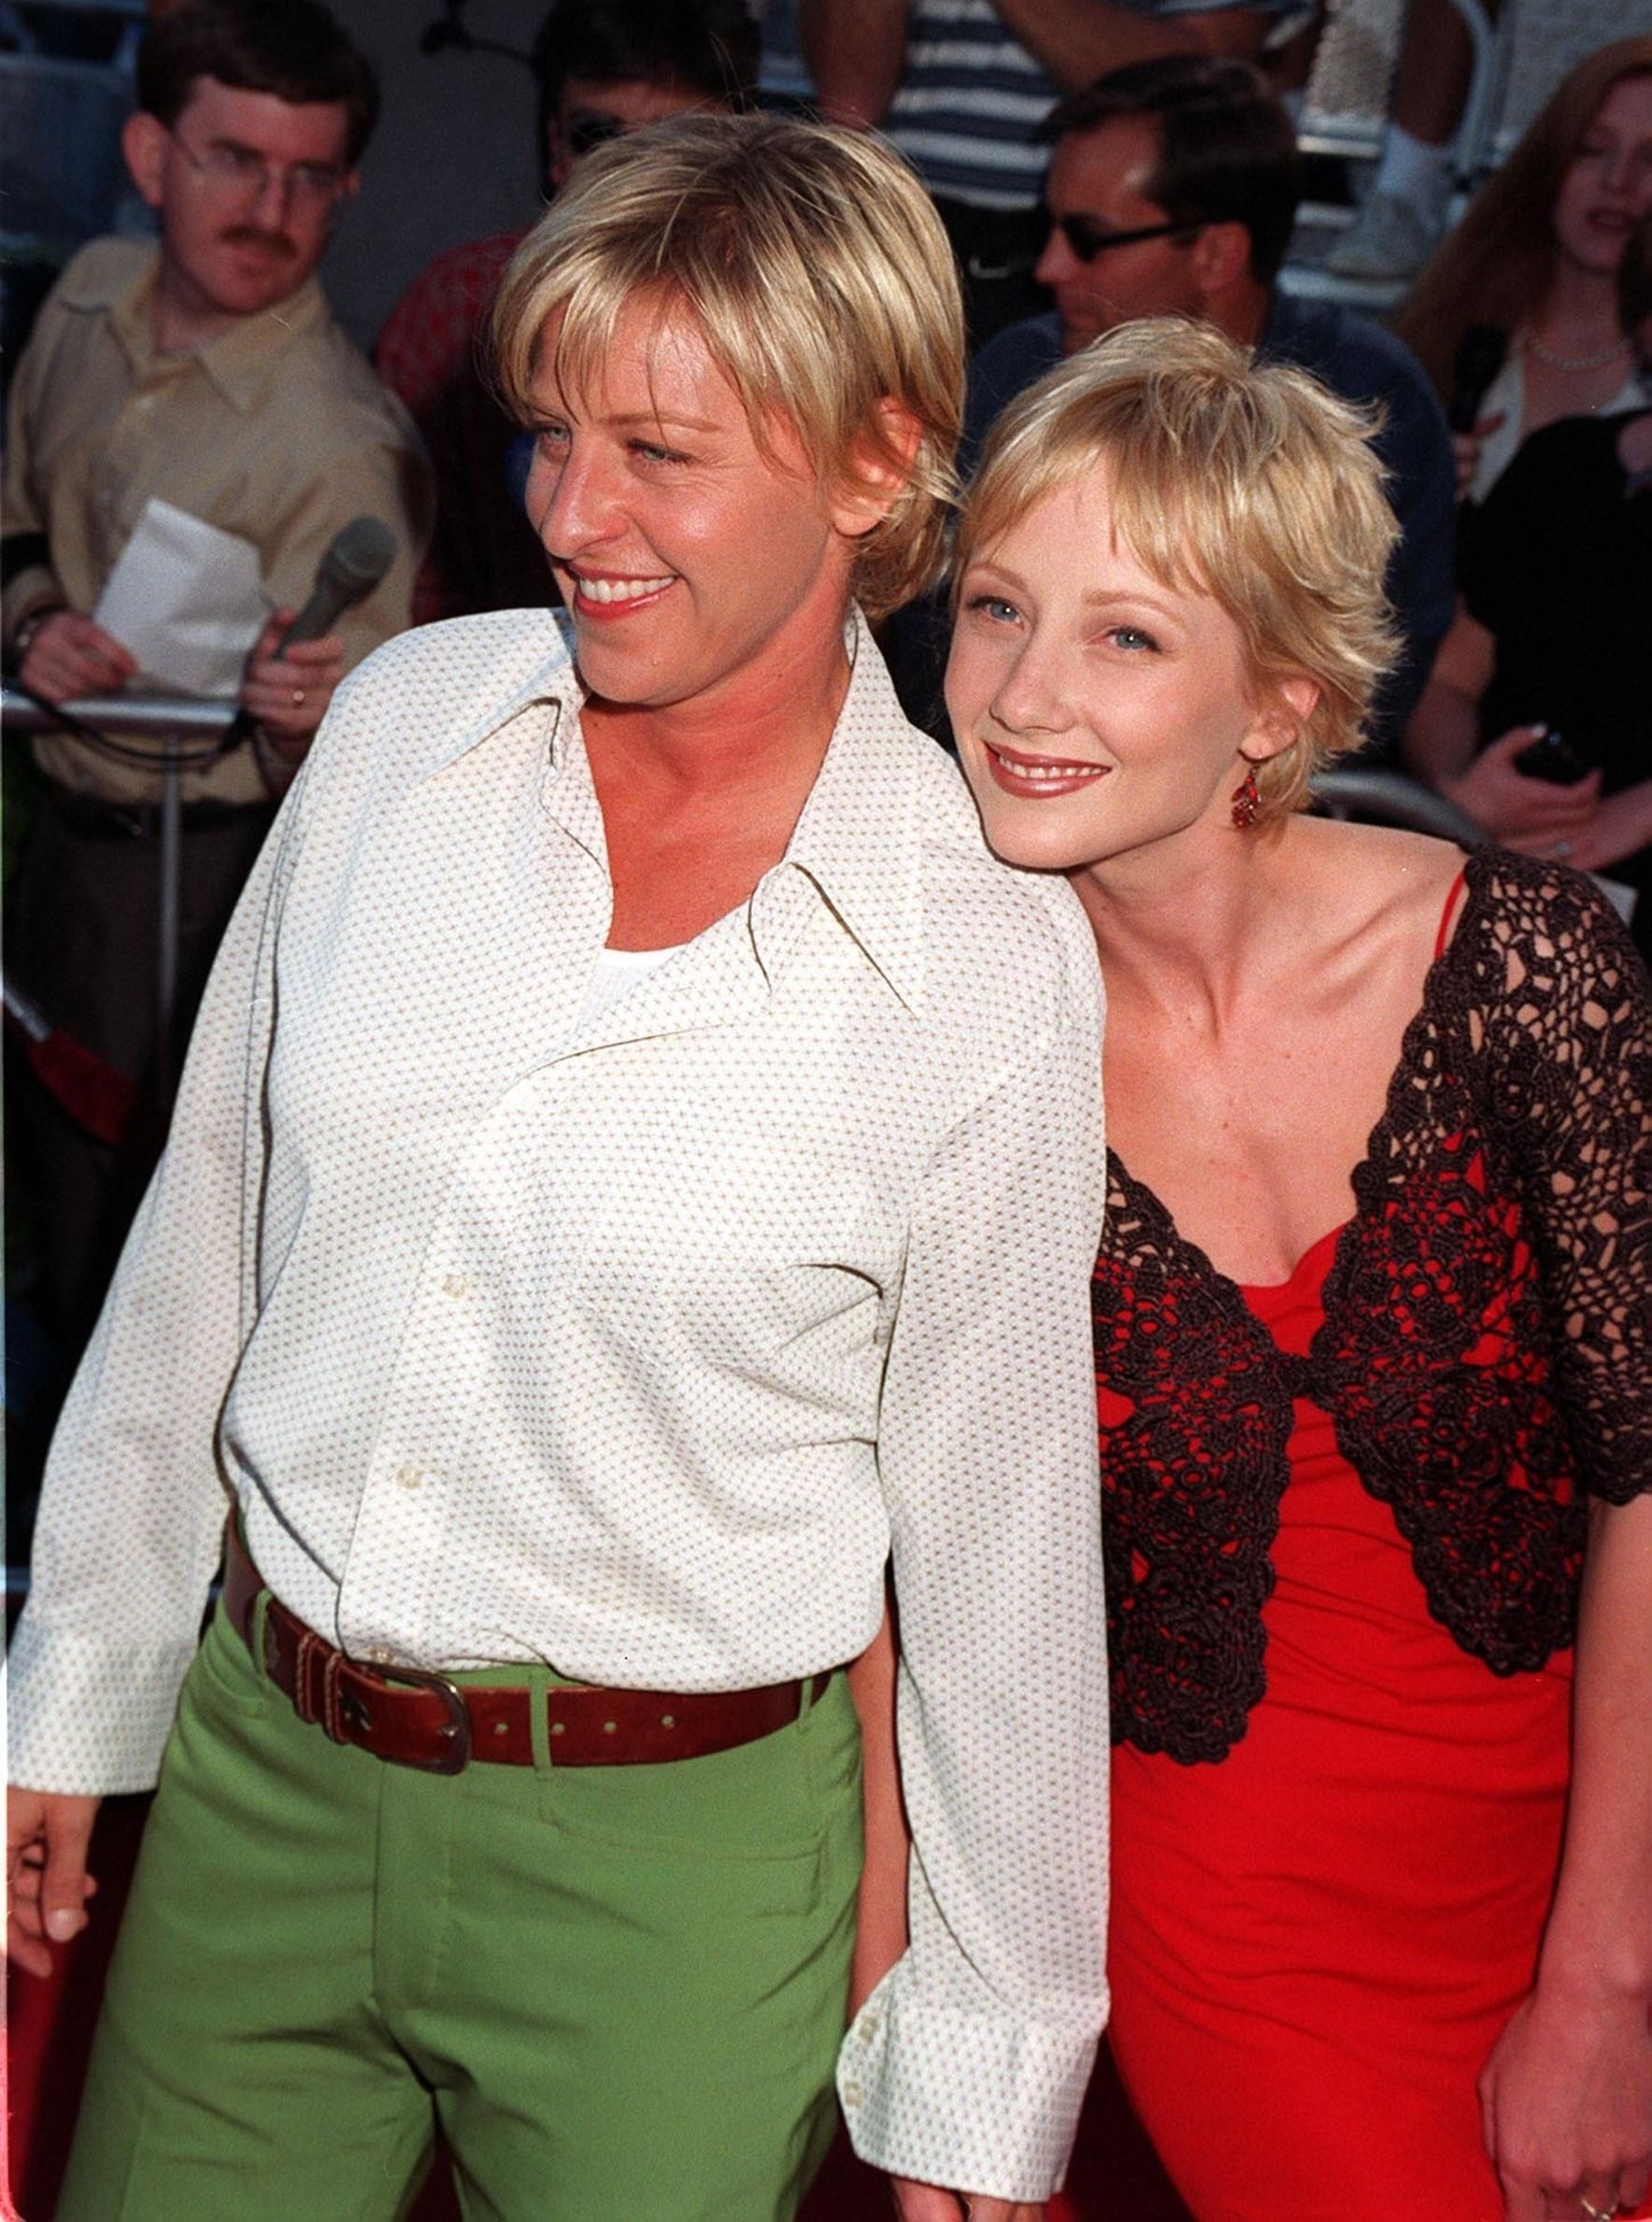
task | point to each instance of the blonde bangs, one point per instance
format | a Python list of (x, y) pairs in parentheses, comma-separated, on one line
[(1246, 482), (819, 274)]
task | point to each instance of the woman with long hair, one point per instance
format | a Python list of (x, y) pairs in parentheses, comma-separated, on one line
[(1373, 1320), (1536, 255)]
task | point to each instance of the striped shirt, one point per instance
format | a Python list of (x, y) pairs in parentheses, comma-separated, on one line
[(968, 109), (971, 100)]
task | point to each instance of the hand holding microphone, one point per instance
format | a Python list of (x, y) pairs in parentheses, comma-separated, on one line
[(297, 661), (287, 687)]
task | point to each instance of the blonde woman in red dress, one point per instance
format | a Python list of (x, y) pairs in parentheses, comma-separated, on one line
[(1372, 1314)]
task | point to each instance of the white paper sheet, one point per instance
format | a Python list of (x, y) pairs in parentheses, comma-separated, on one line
[(188, 600)]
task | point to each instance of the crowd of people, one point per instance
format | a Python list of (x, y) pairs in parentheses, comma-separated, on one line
[(719, 1390)]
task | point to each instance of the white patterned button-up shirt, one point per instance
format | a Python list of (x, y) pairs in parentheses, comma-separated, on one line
[(636, 1343)]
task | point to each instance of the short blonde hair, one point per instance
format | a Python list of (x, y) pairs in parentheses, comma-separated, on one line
[(1244, 480), (820, 275)]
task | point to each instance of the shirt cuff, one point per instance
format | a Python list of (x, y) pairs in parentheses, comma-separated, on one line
[(979, 2103), (86, 1720)]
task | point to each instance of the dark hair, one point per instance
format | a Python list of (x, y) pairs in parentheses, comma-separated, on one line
[(1634, 277), (293, 48), (1227, 149), (710, 45)]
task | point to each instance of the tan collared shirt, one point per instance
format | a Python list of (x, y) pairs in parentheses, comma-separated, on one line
[(277, 429), (636, 1338)]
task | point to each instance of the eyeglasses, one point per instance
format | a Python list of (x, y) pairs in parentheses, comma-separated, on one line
[(237, 173), (1087, 238)]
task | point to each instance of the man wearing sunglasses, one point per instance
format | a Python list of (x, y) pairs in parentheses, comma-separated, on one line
[(203, 370), (1172, 190)]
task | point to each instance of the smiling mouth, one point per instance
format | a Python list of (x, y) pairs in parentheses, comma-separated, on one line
[(605, 593), (1040, 775)]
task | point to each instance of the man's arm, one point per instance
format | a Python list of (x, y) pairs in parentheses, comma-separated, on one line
[(856, 51), (1077, 40), (56, 650), (27, 581), (967, 2066)]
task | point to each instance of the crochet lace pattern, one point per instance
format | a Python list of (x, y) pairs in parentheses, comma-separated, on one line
[(1486, 1350)]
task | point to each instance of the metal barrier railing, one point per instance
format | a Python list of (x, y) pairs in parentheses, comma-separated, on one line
[(1379, 797), (183, 725)]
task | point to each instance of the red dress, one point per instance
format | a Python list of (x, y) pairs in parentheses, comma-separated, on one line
[(1315, 1943), (1341, 1611)]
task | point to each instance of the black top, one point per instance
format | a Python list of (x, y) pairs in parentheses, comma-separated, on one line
[(1486, 1351), (1558, 567)]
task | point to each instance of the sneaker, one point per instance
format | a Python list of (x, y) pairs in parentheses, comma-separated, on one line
[(1388, 238)]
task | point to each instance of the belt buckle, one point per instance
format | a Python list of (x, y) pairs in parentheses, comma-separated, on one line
[(455, 1730)]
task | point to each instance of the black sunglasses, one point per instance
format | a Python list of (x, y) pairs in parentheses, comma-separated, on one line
[(1087, 238)]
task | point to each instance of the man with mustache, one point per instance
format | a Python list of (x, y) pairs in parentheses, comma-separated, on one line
[(204, 370)]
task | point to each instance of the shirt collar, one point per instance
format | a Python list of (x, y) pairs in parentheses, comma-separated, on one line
[(860, 836), (240, 361), (857, 843)]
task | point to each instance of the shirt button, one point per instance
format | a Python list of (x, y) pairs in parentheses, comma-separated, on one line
[(381, 1655), (455, 1285), (852, 2094), (410, 1477)]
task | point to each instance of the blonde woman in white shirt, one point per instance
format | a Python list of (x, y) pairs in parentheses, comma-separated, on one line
[(637, 1175)]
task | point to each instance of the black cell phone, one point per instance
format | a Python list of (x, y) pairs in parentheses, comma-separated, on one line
[(1553, 759)]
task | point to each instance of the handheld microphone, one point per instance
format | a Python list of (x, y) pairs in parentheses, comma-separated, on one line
[(1479, 357), (357, 558)]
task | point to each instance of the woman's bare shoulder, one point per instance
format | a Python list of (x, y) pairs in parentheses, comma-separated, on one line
[(1367, 879)]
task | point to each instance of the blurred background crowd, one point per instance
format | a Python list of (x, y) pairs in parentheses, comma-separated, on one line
[(247, 257)]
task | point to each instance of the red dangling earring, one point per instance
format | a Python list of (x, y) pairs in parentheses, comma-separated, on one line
[(1245, 800)]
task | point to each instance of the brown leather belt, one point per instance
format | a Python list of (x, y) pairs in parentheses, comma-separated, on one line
[(423, 1720)]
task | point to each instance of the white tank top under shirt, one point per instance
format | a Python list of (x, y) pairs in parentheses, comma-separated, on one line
[(618, 971)]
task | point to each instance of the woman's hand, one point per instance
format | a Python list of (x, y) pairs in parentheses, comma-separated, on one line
[(1566, 2104), (1566, 2097), (1620, 826), (47, 1885), (288, 688), (1527, 813), (1466, 446), (928, 2203)]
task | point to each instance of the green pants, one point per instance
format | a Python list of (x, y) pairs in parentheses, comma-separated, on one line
[(619, 1990)]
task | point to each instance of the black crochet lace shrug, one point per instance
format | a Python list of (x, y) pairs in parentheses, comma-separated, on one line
[(1486, 1352)]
